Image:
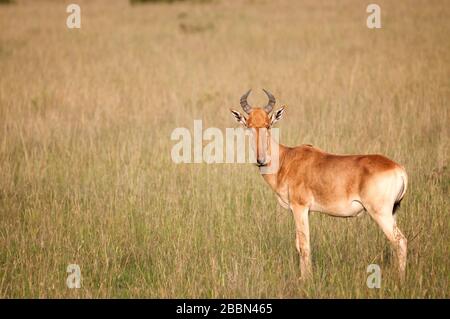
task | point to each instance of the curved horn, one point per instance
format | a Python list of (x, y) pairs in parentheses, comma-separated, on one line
[(247, 108), (268, 108)]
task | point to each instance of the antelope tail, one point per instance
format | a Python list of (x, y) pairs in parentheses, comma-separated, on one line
[(402, 192)]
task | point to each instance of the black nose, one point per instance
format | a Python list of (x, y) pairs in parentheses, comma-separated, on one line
[(260, 162)]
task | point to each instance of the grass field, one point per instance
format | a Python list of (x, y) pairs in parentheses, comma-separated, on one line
[(86, 175)]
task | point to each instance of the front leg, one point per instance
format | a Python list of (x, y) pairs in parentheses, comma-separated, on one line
[(301, 217)]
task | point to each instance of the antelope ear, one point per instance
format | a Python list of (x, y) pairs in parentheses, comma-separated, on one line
[(277, 115), (239, 117)]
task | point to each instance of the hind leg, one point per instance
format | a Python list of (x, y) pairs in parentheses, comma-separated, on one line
[(387, 223)]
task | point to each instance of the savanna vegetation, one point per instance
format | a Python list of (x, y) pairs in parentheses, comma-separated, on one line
[(86, 116)]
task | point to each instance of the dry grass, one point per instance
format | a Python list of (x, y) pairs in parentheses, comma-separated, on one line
[(85, 169)]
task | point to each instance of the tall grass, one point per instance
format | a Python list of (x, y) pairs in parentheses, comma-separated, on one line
[(85, 169)]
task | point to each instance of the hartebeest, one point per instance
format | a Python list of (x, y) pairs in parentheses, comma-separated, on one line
[(308, 179)]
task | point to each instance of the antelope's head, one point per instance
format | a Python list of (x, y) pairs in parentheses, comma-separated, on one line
[(260, 121)]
